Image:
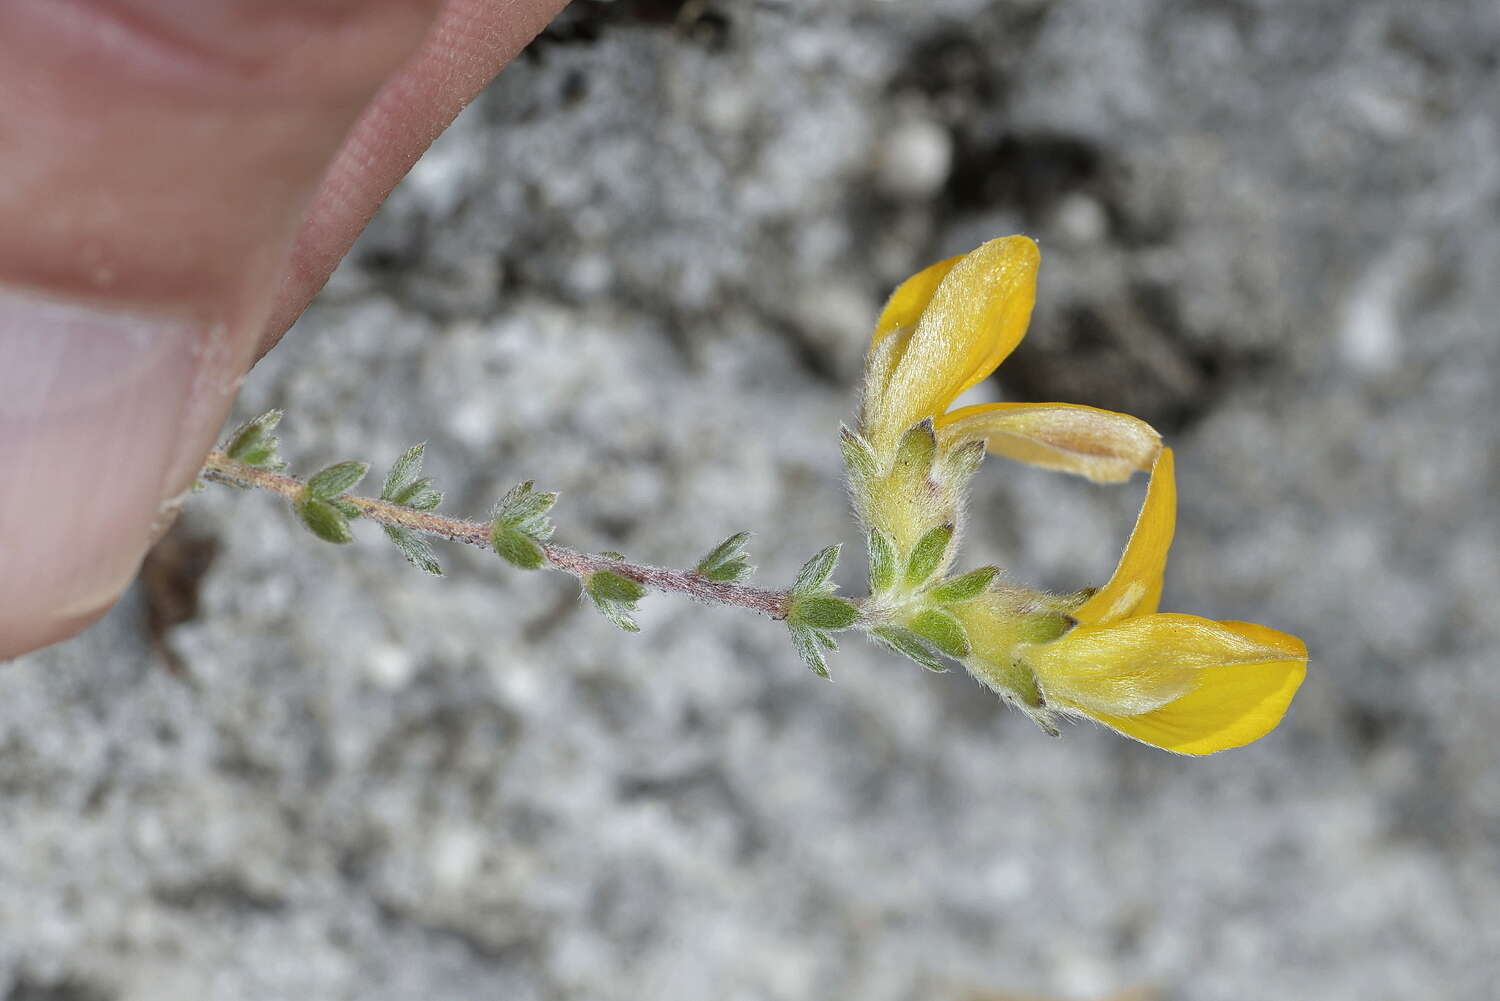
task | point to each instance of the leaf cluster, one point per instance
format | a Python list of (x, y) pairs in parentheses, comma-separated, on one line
[(814, 612), (615, 596), (727, 562), (253, 443), (520, 525), (405, 485), (322, 508)]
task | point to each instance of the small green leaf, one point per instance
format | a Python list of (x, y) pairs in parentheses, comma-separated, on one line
[(516, 547), (809, 644), (262, 455), (615, 597), (727, 562), (337, 479), (323, 520), (882, 561), (917, 448), (928, 554), (859, 457), (406, 486), (347, 508), (415, 548), (420, 496), (908, 645), (610, 586), (966, 587), (525, 509), (611, 611), (813, 577), (403, 474), (1044, 627), (253, 444), (523, 501), (943, 631), (822, 611)]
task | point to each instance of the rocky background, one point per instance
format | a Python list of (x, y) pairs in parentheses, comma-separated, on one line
[(642, 269)]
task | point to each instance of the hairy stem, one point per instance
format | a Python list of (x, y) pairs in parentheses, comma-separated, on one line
[(222, 469)]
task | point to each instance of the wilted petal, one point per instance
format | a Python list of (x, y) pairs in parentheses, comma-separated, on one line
[(1236, 679), (1135, 586), (975, 316), (1101, 445)]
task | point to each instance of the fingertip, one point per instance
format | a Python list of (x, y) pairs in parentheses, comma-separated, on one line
[(91, 421)]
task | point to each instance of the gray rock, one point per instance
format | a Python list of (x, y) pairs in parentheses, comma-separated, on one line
[(634, 271)]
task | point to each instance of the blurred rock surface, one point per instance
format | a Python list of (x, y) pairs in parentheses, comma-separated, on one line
[(640, 269)]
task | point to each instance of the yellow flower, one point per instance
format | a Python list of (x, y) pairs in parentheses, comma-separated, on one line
[(946, 329), (1178, 682), (1187, 684)]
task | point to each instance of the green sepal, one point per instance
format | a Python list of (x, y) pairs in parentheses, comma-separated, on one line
[(338, 478), (615, 596), (930, 552), (965, 587), (323, 520), (415, 548), (909, 645), (917, 448), (253, 444), (1073, 602), (516, 547), (882, 561), (822, 611), (809, 643), (859, 457), (814, 575), (943, 631), (1044, 627), (727, 562), (961, 463)]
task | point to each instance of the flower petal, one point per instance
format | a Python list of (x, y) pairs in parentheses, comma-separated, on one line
[(975, 316), (1230, 707), (1239, 677), (1135, 586), (1101, 445), (904, 307)]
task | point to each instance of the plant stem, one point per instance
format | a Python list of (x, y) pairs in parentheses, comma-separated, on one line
[(222, 469)]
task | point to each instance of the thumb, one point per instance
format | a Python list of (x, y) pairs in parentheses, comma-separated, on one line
[(158, 158)]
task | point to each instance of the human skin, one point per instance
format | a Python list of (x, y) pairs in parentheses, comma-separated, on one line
[(178, 178)]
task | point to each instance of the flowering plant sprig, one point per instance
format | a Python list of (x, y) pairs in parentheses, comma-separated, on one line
[(1179, 682), (1183, 683)]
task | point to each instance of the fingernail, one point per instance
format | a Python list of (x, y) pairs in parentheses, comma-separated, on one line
[(90, 409)]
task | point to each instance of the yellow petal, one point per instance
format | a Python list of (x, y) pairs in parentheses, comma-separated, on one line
[(1230, 707), (1101, 445), (893, 332), (904, 307), (1241, 678), (1135, 586), (975, 316)]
